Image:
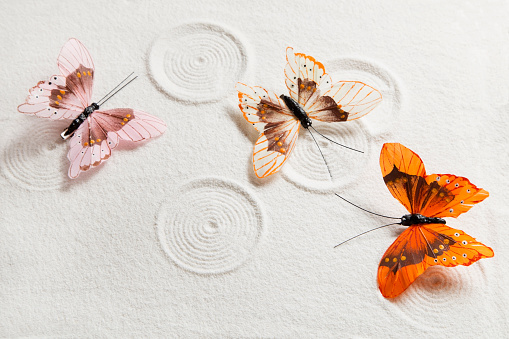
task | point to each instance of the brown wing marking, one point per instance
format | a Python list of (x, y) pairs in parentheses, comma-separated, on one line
[(269, 157), (80, 82)]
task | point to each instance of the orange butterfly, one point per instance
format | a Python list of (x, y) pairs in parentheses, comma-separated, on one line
[(312, 96), (427, 241)]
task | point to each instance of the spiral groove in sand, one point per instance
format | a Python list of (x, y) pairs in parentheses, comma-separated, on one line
[(35, 161), (436, 292), (210, 225), (197, 62), (306, 167)]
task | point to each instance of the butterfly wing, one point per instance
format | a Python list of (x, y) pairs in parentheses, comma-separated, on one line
[(75, 63), (304, 76), (435, 195), (93, 141), (52, 99), (278, 127), (450, 196), (402, 263), (345, 100), (83, 153), (270, 153), (403, 172), (139, 126), (64, 96), (421, 246), (312, 88)]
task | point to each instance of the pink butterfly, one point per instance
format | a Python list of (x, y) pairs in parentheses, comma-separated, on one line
[(93, 132)]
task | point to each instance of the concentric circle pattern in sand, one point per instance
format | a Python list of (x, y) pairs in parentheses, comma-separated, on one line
[(306, 167), (438, 289), (198, 62), (210, 225), (35, 160)]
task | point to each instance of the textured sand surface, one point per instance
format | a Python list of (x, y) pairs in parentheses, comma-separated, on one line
[(177, 237)]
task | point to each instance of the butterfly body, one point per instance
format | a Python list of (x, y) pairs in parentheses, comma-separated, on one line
[(427, 241), (75, 124), (416, 219), (297, 111)]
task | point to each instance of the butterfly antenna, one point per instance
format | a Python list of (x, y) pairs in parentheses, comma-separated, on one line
[(337, 143), (316, 143), (116, 89), (365, 210), (373, 229)]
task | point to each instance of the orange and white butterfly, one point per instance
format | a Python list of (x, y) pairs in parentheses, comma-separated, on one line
[(313, 96), (427, 241)]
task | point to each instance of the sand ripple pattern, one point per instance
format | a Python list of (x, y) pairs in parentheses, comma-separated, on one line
[(198, 62), (210, 225), (306, 168), (441, 291), (36, 160)]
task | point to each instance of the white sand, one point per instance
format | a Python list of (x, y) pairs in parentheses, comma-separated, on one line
[(178, 237)]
